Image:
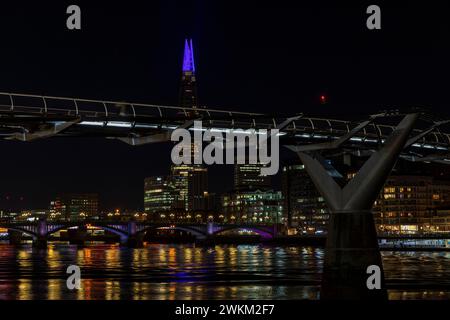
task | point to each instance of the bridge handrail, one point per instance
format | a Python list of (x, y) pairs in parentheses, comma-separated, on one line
[(137, 118), (102, 102)]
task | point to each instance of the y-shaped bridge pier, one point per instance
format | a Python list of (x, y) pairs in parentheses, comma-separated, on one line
[(352, 244)]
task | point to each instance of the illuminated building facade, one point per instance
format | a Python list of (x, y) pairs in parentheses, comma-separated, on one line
[(34, 214), (253, 206), (180, 178), (159, 196), (412, 205), (198, 189), (304, 208), (440, 220), (74, 206), (181, 196), (191, 185), (248, 177), (9, 215)]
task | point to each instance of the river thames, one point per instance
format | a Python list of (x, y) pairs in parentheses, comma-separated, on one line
[(186, 271)]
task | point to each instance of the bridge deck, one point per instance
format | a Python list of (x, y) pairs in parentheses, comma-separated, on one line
[(22, 115)]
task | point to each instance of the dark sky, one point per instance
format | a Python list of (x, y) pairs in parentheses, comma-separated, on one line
[(271, 57)]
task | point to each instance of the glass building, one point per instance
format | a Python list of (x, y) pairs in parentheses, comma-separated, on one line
[(191, 185), (159, 196), (255, 206)]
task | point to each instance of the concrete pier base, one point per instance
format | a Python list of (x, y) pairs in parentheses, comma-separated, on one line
[(136, 241), (77, 242), (40, 243), (352, 246), (78, 236), (15, 237)]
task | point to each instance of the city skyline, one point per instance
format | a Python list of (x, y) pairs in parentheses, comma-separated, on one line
[(239, 66), (332, 121), (184, 190), (414, 200)]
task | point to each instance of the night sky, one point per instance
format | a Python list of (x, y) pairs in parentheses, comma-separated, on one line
[(266, 57)]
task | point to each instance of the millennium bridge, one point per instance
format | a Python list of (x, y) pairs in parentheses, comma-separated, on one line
[(412, 134)]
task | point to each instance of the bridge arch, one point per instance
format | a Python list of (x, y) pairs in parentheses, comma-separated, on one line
[(27, 232), (122, 234), (263, 232), (58, 228), (192, 230)]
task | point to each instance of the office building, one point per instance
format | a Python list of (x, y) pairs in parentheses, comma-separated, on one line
[(191, 185), (74, 206), (412, 205), (159, 196), (305, 209), (248, 177), (253, 206), (197, 189)]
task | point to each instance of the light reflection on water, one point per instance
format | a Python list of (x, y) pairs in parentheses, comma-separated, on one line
[(184, 271), (417, 275)]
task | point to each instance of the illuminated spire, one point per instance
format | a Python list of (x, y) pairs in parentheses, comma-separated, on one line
[(188, 59), (188, 89)]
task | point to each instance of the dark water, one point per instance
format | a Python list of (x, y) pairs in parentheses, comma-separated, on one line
[(161, 271)]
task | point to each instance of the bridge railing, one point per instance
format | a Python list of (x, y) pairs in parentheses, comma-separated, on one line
[(43, 104), (150, 117)]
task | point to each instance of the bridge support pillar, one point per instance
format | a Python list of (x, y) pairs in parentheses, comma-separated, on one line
[(134, 239), (352, 244), (40, 242), (15, 237), (277, 229), (78, 236), (210, 228)]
